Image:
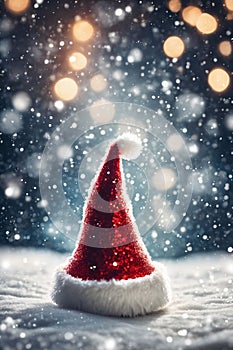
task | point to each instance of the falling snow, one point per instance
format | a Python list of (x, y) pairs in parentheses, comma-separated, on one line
[(119, 57), (60, 58)]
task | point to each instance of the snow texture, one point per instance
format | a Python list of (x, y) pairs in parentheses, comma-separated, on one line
[(199, 317), (132, 297)]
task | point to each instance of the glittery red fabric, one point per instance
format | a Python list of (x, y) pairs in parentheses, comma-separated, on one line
[(108, 223)]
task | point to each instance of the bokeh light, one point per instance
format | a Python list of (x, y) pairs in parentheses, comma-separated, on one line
[(164, 179), (17, 7), (229, 4), (135, 55), (175, 143), (206, 24), (191, 14), (59, 105), (10, 122), (21, 101), (229, 121), (219, 79), (173, 47), (225, 48), (66, 89), (103, 111), (83, 31), (98, 83), (13, 190), (77, 61), (193, 148), (229, 16), (64, 152), (174, 5)]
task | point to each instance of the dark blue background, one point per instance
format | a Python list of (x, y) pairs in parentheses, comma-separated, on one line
[(207, 226)]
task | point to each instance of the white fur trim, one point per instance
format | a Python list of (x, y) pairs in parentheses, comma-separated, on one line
[(129, 145), (130, 297)]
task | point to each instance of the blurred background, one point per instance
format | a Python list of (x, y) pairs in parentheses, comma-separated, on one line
[(60, 57)]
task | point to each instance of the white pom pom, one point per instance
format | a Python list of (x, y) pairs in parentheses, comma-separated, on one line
[(129, 145)]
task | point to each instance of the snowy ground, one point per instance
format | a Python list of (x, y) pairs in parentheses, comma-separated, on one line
[(200, 316)]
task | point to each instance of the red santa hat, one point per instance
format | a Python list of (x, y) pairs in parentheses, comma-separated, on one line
[(110, 271)]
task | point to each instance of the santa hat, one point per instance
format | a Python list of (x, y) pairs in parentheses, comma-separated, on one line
[(110, 271)]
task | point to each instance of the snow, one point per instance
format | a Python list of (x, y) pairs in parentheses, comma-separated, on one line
[(199, 317)]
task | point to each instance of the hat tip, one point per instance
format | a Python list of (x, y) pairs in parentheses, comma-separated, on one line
[(130, 145)]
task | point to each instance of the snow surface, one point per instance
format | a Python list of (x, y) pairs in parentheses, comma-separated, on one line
[(200, 316)]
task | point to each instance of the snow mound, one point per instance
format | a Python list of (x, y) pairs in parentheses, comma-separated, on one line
[(200, 316)]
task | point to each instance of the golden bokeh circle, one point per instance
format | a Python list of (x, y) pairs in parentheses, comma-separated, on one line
[(83, 31), (229, 4), (66, 89), (219, 79), (191, 14), (77, 61), (98, 83), (225, 48), (17, 7), (174, 5), (206, 23), (173, 46)]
